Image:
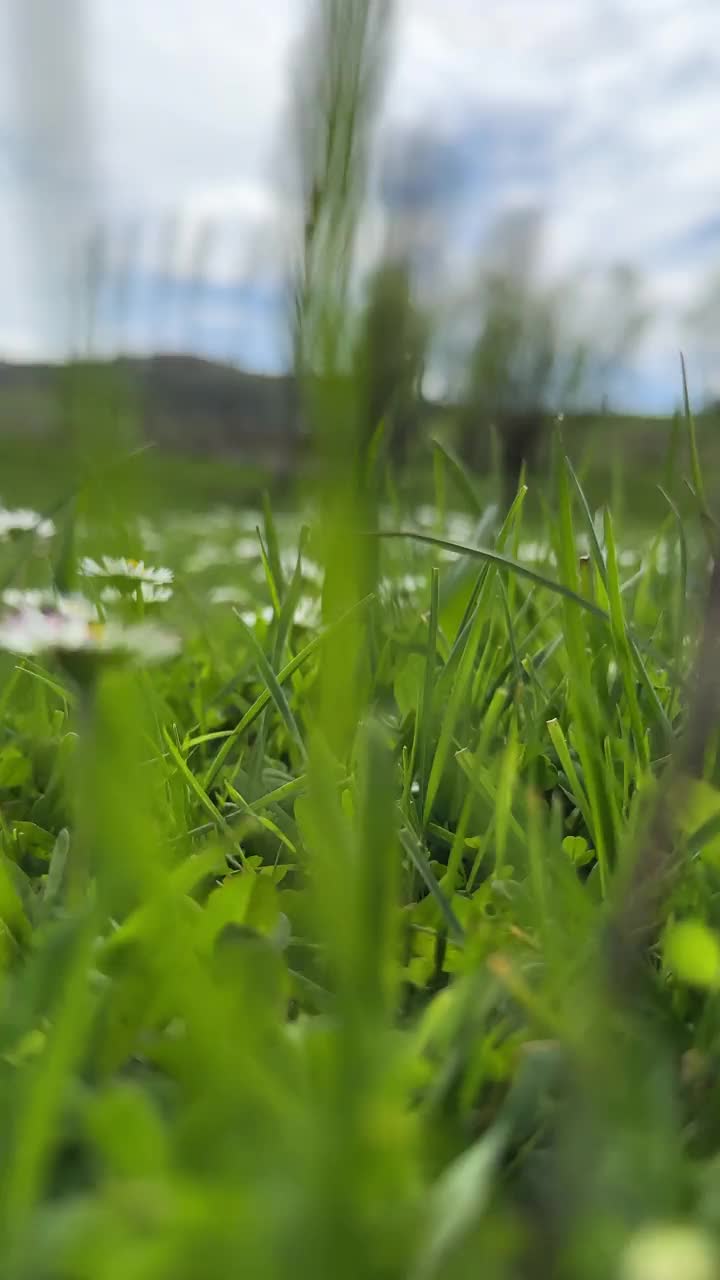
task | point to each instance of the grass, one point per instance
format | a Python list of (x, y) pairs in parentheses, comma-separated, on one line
[(376, 933), (433, 988)]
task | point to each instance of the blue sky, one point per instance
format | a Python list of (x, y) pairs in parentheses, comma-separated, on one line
[(163, 121)]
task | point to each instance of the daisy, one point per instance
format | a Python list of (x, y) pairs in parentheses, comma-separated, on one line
[(311, 571), (150, 535), (124, 571), (45, 600), (23, 520), (206, 556), (251, 617), (411, 583), (307, 613), (460, 528), (538, 552), (65, 632), (406, 584), (148, 591), (247, 548), (227, 594)]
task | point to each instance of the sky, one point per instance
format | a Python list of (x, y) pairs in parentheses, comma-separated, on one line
[(165, 124)]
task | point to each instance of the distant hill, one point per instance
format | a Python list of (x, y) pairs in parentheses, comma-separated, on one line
[(183, 403), (194, 406)]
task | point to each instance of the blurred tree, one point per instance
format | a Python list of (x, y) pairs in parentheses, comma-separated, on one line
[(391, 354), (518, 363), (619, 314), (530, 357), (702, 326)]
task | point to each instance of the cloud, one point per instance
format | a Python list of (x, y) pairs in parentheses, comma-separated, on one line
[(602, 113)]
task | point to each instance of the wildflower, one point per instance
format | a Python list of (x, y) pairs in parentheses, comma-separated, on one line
[(150, 535), (69, 629), (227, 594), (149, 593), (313, 572), (247, 548), (206, 556), (425, 516), (307, 612), (460, 528), (538, 552), (410, 583), (310, 570), (662, 557), (46, 600), (23, 520), (125, 571), (251, 617)]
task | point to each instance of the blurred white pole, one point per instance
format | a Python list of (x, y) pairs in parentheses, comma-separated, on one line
[(47, 47)]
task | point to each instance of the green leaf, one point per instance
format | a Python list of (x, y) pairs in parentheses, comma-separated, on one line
[(457, 1200), (129, 1132), (408, 684), (501, 562), (12, 912), (701, 805), (578, 850), (15, 768), (692, 952), (56, 871)]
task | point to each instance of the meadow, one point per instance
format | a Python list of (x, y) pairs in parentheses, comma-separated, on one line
[(365, 933), (359, 833)]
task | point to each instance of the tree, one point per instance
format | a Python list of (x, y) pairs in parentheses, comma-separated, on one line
[(530, 357), (702, 326), (391, 352), (518, 361)]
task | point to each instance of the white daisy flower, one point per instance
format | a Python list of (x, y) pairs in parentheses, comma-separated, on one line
[(130, 571), (314, 572), (405, 584), (23, 520), (149, 592), (411, 583), (311, 571), (662, 557), (150, 535), (250, 519), (536, 551), (307, 612), (38, 631), (227, 594), (425, 516), (206, 556), (251, 617), (45, 600), (247, 549), (460, 528)]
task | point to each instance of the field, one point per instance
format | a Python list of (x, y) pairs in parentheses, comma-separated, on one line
[(373, 932)]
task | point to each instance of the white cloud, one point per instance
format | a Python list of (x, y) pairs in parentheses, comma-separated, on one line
[(603, 111)]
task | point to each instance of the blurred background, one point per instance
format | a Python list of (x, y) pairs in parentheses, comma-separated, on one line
[(539, 235)]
